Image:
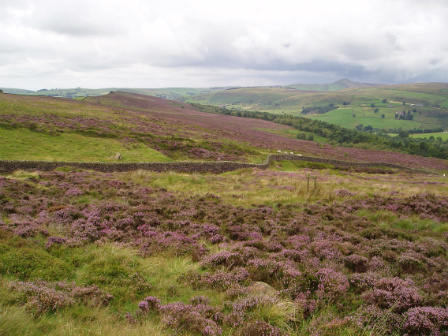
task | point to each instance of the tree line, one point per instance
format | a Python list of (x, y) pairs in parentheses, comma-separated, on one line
[(342, 136)]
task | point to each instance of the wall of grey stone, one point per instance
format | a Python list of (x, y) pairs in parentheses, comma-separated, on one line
[(8, 166)]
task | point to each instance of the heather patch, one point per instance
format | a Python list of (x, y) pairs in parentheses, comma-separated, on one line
[(209, 265), (42, 297)]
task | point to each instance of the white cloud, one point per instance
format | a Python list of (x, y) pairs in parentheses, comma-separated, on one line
[(198, 42)]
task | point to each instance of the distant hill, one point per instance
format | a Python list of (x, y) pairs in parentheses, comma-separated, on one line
[(425, 104), (345, 102), (166, 93), (16, 91), (339, 85)]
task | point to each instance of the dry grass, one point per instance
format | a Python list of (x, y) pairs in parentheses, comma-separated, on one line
[(253, 186)]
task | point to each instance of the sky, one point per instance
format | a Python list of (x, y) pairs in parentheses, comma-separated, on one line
[(205, 43)]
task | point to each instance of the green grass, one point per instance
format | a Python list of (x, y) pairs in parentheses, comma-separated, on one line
[(285, 182), (23, 144), (367, 117), (428, 99), (444, 135)]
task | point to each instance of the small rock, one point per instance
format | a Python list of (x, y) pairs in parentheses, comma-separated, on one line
[(262, 289)]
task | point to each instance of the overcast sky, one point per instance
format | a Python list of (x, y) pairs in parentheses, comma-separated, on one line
[(202, 43)]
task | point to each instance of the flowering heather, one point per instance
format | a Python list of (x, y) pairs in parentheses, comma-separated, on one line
[(348, 255), (426, 321), (198, 317), (332, 284), (395, 294), (43, 297), (261, 328)]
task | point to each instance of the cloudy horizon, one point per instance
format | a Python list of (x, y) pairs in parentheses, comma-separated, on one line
[(198, 43)]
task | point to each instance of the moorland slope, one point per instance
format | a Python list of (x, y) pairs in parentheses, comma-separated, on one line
[(297, 249), (145, 128)]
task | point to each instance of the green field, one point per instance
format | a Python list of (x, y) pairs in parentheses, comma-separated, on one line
[(23, 144), (443, 136), (426, 102), (366, 116)]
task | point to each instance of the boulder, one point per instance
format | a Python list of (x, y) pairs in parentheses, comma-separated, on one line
[(262, 289)]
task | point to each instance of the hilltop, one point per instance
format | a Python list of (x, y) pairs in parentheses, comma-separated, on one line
[(338, 85)]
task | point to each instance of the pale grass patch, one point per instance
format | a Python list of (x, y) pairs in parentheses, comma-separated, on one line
[(251, 186), (167, 265), (111, 327), (140, 176), (279, 313), (17, 321), (22, 175)]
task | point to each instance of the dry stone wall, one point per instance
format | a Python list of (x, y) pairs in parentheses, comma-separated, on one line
[(7, 166)]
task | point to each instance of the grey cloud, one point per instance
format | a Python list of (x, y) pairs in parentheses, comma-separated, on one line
[(254, 41)]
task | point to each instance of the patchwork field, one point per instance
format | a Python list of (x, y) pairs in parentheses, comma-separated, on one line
[(426, 102)]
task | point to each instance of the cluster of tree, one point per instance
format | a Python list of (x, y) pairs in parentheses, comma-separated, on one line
[(404, 116), (319, 109), (426, 130), (304, 136), (342, 136), (361, 127)]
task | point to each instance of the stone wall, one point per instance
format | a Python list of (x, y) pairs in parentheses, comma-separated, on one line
[(7, 166)]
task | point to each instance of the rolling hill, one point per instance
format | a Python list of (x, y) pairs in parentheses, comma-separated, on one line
[(376, 106), (294, 249), (346, 103), (338, 85), (145, 128)]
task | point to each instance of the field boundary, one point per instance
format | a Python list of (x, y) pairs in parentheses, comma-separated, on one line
[(8, 166)]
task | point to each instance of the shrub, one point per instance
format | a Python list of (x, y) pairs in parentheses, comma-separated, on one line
[(332, 284), (261, 328), (426, 321), (42, 297), (395, 294), (224, 258), (356, 263), (410, 263), (197, 318)]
